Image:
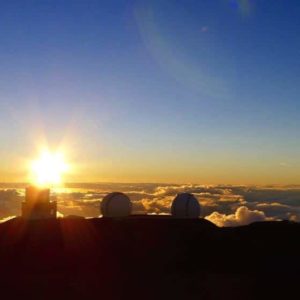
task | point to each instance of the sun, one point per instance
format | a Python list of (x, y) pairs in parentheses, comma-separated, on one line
[(48, 169)]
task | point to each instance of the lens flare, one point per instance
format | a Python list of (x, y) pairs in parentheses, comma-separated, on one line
[(242, 6)]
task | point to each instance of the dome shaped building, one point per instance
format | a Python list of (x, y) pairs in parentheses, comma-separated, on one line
[(116, 205), (185, 205)]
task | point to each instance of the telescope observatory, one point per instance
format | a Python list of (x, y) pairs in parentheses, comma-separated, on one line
[(37, 204)]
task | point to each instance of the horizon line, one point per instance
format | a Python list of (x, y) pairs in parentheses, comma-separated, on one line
[(66, 184)]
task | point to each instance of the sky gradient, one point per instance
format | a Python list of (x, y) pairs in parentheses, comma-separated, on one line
[(152, 91)]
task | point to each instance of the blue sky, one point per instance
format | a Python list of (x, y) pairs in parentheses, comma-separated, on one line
[(183, 91)]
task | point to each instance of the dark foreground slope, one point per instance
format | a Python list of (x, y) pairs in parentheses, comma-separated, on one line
[(148, 258)]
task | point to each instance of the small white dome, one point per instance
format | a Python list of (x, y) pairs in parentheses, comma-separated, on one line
[(116, 205), (185, 205)]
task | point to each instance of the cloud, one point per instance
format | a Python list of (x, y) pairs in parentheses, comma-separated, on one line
[(6, 219), (284, 195), (157, 205), (220, 202), (242, 216), (294, 217), (10, 202), (59, 215)]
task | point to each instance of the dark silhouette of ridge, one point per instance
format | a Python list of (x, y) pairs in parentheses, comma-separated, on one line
[(147, 257)]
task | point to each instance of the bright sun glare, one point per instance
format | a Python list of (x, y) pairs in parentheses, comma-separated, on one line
[(48, 169)]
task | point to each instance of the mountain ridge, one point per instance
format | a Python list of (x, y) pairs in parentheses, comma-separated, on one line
[(155, 256)]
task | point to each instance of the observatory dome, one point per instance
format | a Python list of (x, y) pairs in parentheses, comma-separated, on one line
[(185, 205), (116, 205)]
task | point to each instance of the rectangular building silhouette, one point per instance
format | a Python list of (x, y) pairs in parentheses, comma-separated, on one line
[(37, 204)]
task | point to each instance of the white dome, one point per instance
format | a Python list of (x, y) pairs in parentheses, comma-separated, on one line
[(115, 205), (185, 205)]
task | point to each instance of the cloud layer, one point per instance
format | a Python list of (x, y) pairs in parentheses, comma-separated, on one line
[(242, 216), (223, 205)]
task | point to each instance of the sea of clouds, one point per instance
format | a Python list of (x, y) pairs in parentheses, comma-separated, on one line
[(224, 205)]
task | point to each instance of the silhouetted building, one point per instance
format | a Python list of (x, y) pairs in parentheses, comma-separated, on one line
[(37, 204)]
